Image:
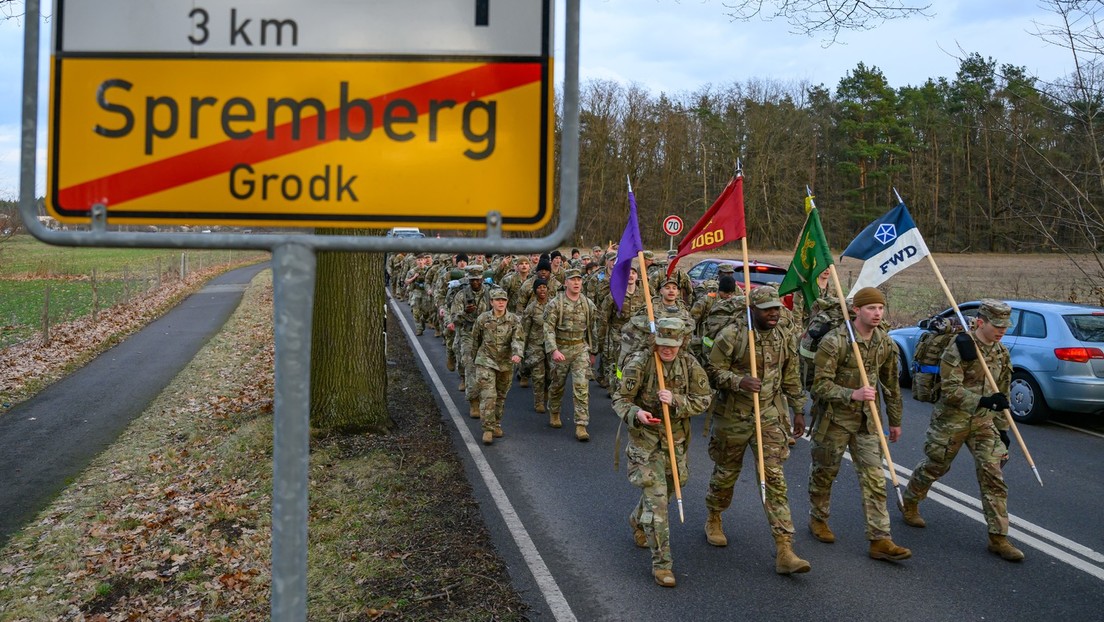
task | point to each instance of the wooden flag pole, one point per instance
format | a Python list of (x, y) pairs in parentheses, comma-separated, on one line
[(754, 374), (662, 387), (985, 367), (871, 405)]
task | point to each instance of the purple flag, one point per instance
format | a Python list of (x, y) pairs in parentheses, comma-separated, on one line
[(629, 247)]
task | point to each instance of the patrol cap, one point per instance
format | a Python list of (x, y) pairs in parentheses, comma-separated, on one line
[(649, 255), (668, 279), (596, 249), (711, 285), (425, 256), (573, 273), (669, 331), (996, 312), (610, 256), (499, 294), (726, 268), (671, 253), (475, 271), (765, 297)]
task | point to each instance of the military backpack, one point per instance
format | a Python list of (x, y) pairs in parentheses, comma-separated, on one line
[(939, 333), (827, 315)]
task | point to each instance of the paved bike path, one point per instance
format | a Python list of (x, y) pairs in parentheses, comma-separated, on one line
[(48, 440)]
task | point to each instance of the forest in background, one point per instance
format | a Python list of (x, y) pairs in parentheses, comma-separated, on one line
[(990, 160)]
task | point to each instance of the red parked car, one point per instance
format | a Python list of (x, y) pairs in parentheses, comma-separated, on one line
[(761, 273)]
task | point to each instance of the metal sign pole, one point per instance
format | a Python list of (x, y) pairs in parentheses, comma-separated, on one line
[(293, 276)]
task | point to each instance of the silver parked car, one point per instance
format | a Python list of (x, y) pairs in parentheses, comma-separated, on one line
[(1057, 353)]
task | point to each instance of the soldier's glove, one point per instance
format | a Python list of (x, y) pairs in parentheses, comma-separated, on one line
[(996, 401), (1004, 438), (967, 350)]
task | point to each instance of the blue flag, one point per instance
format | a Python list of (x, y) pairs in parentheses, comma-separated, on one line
[(886, 246), (628, 248)]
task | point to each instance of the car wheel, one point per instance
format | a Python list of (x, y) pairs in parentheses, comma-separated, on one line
[(903, 371), (1027, 402)]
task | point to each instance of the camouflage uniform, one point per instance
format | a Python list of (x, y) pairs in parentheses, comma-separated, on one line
[(647, 450), (495, 339), (733, 411), (611, 322), (417, 296), (569, 328), (525, 293), (535, 364), (958, 419), (513, 284), (636, 333), (846, 425), (467, 304)]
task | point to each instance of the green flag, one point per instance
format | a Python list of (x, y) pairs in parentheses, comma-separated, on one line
[(811, 258)]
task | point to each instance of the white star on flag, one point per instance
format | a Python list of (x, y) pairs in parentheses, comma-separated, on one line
[(886, 233)]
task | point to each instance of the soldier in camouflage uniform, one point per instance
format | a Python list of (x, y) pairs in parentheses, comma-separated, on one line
[(638, 402), (612, 320), (636, 333), (535, 365), (543, 271), (969, 412), (596, 287), (726, 309), (498, 344), (513, 282), (467, 304), (455, 280), (415, 282), (569, 337), (733, 431), (846, 425)]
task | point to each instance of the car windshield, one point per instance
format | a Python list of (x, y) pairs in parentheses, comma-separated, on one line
[(1086, 327)]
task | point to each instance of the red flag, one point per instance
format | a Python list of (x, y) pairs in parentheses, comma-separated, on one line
[(722, 223)]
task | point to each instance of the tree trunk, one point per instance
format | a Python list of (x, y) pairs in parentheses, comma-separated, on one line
[(348, 358)]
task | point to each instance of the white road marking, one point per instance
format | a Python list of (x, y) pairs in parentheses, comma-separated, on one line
[(1039, 538), (551, 591), (1077, 429)]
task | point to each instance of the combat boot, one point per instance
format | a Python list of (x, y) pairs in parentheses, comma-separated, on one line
[(463, 385), (887, 550), (474, 404), (639, 537), (539, 406), (450, 362), (523, 381), (786, 561), (554, 420), (821, 530), (911, 512), (498, 433), (488, 438), (1001, 546), (663, 577), (714, 532), (581, 433)]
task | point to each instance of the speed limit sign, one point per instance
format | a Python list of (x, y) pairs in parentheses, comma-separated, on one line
[(672, 225)]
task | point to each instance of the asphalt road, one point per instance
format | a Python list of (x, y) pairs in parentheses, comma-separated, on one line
[(51, 437), (558, 512)]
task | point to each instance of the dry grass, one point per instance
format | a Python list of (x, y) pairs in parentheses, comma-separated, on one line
[(173, 521), (915, 293)]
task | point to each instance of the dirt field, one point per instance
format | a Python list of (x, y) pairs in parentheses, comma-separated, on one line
[(915, 293)]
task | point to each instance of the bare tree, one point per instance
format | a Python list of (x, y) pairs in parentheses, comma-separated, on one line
[(830, 17)]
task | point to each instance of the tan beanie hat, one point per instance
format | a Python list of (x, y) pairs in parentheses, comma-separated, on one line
[(869, 296)]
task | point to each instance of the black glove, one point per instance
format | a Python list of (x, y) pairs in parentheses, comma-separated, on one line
[(966, 348), (996, 401), (1004, 437)]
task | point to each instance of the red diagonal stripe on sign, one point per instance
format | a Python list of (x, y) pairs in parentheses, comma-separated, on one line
[(216, 159)]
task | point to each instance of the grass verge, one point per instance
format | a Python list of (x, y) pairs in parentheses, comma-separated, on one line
[(173, 521)]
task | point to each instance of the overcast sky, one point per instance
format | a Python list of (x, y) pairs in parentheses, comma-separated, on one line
[(680, 46)]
